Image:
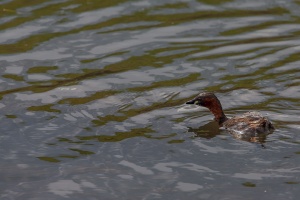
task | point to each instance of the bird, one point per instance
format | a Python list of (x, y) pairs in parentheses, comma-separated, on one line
[(247, 126)]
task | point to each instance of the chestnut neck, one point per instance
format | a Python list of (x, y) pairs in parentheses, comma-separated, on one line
[(216, 109)]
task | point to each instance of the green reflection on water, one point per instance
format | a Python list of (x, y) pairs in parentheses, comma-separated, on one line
[(46, 108), (85, 61), (61, 139), (13, 77), (215, 2), (292, 182), (41, 69), (174, 5), (175, 141), (82, 152), (89, 5), (11, 116), (119, 136), (10, 8), (84, 100), (48, 159), (251, 28), (249, 184)]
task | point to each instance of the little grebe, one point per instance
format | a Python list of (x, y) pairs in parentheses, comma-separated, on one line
[(246, 126)]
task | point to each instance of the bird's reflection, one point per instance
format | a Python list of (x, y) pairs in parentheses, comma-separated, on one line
[(212, 129), (208, 131)]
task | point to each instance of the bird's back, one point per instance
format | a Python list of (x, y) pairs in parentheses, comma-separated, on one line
[(250, 124)]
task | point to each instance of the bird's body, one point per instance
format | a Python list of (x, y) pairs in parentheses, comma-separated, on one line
[(245, 126)]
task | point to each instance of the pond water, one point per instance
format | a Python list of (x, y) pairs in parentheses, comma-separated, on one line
[(93, 92)]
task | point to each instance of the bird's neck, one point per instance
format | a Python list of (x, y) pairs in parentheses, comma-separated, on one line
[(217, 110)]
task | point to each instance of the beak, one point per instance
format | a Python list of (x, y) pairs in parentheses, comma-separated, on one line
[(190, 102)]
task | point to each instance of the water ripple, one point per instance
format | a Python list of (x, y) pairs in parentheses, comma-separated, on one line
[(102, 86)]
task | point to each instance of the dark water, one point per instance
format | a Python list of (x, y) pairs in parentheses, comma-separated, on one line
[(92, 99)]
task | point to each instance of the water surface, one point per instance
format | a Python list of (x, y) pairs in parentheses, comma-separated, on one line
[(92, 99)]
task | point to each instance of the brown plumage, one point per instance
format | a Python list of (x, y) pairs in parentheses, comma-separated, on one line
[(246, 126)]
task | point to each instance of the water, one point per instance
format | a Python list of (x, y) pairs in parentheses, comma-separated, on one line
[(92, 99)]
